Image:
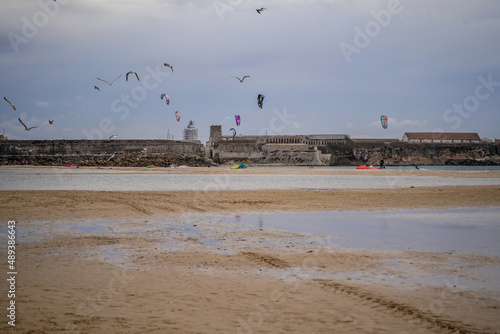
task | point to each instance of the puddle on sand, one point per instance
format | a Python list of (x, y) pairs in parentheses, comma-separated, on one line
[(461, 230)]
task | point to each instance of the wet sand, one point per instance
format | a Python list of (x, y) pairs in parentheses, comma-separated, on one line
[(129, 280), (60, 205)]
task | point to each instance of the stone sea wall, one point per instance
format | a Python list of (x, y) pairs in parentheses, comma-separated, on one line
[(132, 153), (407, 154), (137, 153)]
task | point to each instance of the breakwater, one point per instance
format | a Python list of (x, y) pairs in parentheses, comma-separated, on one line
[(258, 150), (127, 153), (406, 154)]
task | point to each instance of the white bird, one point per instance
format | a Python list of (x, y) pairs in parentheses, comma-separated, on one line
[(25, 127), (241, 80), (171, 67), (111, 81), (260, 10), (10, 103), (111, 137), (132, 72)]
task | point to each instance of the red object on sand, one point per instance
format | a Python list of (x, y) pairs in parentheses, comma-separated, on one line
[(69, 165), (366, 167)]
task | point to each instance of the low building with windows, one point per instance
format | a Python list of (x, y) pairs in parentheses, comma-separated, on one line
[(441, 137)]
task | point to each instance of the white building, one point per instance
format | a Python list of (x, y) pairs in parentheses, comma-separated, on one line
[(191, 132)]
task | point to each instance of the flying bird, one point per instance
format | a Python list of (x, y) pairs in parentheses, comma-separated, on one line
[(171, 67), (241, 80), (51, 121), (260, 10), (25, 127), (95, 87), (132, 72), (10, 103), (111, 81), (111, 137)]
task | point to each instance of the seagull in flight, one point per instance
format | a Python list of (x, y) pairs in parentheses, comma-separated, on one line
[(260, 10), (111, 137), (10, 103), (132, 72), (25, 127), (110, 84), (51, 121), (241, 80), (95, 87), (171, 67)]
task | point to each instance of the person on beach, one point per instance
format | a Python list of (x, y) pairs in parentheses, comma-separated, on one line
[(382, 164)]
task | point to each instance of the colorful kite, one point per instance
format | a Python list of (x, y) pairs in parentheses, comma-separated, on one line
[(234, 131), (177, 115), (383, 120), (238, 119), (167, 98)]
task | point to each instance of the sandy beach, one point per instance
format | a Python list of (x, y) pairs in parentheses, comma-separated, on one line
[(152, 271)]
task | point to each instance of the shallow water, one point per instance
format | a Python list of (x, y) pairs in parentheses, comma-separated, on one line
[(453, 230), (113, 180)]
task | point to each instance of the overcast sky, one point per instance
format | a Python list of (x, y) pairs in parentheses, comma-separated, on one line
[(325, 67)]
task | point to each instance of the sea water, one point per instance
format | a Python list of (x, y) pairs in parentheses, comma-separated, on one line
[(120, 180)]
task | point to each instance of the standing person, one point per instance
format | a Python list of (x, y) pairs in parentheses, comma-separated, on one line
[(382, 164)]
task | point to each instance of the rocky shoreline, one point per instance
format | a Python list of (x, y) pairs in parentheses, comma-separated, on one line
[(108, 160)]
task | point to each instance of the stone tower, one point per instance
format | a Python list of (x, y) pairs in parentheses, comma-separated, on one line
[(215, 133)]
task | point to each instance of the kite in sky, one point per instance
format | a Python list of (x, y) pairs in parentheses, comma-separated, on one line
[(10, 103), (260, 100), (234, 131), (51, 121), (167, 98), (111, 137), (95, 87), (241, 80), (132, 72), (177, 115), (260, 10), (110, 84), (383, 121), (238, 119)]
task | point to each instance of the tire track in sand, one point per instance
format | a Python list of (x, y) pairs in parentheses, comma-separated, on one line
[(426, 319), (267, 259)]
